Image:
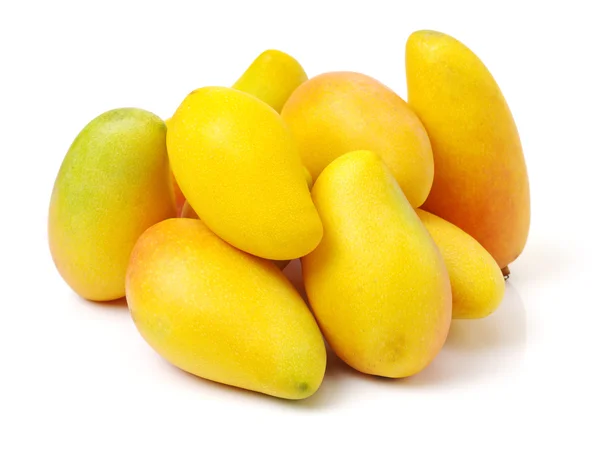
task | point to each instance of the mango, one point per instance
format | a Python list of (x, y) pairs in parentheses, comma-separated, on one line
[(338, 112), (221, 314), (188, 212), (376, 283), (272, 77), (476, 280), (237, 165), (112, 185), (481, 183)]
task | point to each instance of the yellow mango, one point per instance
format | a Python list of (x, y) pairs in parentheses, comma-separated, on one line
[(481, 182), (476, 280), (113, 184), (338, 112), (272, 77), (238, 167), (376, 283), (221, 314)]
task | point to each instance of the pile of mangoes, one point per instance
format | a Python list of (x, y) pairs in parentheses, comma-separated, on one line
[(404, 215)]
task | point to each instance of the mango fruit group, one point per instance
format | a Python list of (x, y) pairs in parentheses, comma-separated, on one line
[(272, 77), (376, 283), (113, 184), (338, 112), (476, 280), (404, 215), (238, 167), (221, 314), (480, 182)]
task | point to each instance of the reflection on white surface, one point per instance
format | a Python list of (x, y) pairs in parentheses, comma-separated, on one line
[(505, 328), (490, 347)]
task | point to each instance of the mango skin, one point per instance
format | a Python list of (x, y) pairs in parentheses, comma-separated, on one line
[(376, 283), (272, 77), (338, 112), (481, 183), (221, 314), (477, 282), (237, 165), (112, 185), (188, 212)]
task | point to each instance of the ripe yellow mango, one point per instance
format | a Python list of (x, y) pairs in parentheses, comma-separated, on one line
[(113, 184), (188, 212), (272, 77), (476, 280), (239, 168), (376, 283), (222, 314), (480, 182), (338, 112)]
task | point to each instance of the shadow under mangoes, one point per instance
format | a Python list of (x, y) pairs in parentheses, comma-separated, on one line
[(542, 261), (120, 303), (492, 346), (101, 308), (326, 396)]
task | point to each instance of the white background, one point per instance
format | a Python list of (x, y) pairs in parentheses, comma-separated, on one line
[(77, 374)]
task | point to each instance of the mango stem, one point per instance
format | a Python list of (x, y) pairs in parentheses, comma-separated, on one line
[(506, 272)]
